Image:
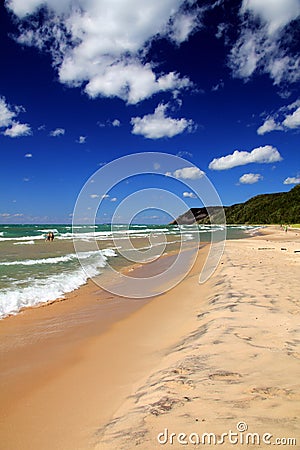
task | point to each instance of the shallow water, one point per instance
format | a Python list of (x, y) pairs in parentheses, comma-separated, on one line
[(34, 271)]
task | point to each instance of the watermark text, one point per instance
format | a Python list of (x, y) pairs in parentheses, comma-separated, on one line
[(240, 436)]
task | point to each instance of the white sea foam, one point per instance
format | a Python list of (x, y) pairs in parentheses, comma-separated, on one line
[(52, 287), (52, 230), (121, 233), (64, 236), (24, 243), (188, 236), (82, 226), (137, 226), (41, 291), (58, 259), (107, 252), (105, 235), (21, 238), (102, 235)]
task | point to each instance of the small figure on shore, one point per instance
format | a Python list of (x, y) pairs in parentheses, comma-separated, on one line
[(50, 236), (286, 228)]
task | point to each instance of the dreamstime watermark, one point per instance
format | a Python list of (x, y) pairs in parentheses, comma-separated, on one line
[(240, 437), (170, 175)]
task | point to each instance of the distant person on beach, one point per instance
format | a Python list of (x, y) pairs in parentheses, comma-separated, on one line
[(50, 236)]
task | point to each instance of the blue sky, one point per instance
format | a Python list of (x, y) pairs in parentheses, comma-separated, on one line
[(84, 82)]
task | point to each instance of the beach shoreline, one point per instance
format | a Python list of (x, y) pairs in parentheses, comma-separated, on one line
[(63, 327), (139, 374), (39, 273)]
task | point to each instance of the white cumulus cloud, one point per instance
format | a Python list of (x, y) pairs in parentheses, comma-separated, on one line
[(7, 115), (116, 123), (183, 25), (103, 44), (292, 120), (18, 129), (269, 125), (101, 196), (184, 154), (276, 14), (263, 45), (57, 132), (292, 180), (132, 81), (81, 140), (266, 154), (189, 195), (159, 125), (187, 173), (286, 118), (250, 178)]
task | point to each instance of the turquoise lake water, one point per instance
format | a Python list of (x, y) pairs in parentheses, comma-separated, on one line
[(34, 271)]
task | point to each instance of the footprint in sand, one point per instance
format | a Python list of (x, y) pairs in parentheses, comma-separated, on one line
[(181, 371), (243, 337), (165, 404), (223, 375), (181, 384), (271, 392)]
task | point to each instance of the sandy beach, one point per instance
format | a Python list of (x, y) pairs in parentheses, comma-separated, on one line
[(83, 373), (149, 224)]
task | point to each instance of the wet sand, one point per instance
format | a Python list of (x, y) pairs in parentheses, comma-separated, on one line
[(82, 374), (68, 366)]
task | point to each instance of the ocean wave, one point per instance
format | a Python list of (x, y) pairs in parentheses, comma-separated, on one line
[(85, 233), (101, 235), (102, 254), (51, 287), (108, 252), (105, 235), (23, 243), (21, 238), (137, 226), (82, 226), (142, 231), (42, 291)]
